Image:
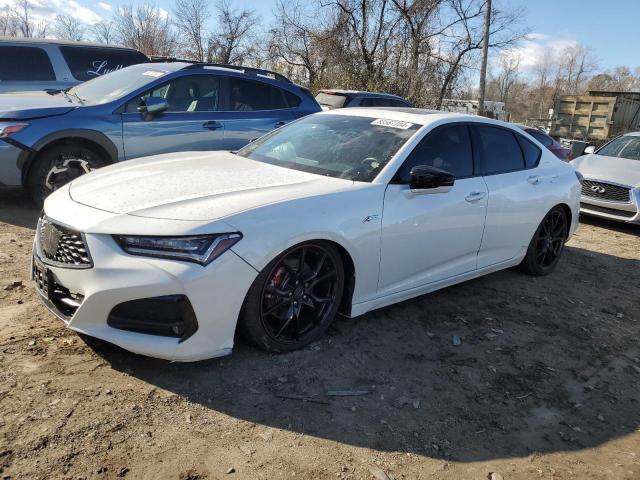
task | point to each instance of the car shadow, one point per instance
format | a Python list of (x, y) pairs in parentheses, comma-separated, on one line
[(502, 366), (619, 227), (16, 208)]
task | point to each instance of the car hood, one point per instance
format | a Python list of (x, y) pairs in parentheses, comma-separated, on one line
[(30, 105), (612, 169), (195, 186)]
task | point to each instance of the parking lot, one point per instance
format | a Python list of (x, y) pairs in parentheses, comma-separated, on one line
[(509, 374)]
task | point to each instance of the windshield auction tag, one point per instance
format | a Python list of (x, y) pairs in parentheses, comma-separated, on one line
[(153, 73), (385, 122)]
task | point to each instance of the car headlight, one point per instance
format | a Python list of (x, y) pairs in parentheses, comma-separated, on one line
[(7, 129), (202, 249)]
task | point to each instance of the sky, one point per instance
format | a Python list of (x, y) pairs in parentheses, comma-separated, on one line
[(609, 27)]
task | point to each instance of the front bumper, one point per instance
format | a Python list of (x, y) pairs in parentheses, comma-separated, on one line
[(10, 174), (628, 212), (215, 293)]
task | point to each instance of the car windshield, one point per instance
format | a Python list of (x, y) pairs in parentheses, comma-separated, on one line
[(115, 85), (331, 100), (623, 147), (342, 146)]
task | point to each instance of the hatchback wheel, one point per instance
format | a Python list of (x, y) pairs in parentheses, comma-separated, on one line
[(295, 298), (547, 244), (58, 166)]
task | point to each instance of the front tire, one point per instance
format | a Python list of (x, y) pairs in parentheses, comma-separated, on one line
[(292, 302), (547, 244), (57, 166)]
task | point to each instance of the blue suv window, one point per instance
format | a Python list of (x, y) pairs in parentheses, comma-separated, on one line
[(247, 95), (86, 63), (195, 93), (25, 64)]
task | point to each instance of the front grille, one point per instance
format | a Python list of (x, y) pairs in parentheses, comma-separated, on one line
[(62, 246), (609, 211), (605, 191)]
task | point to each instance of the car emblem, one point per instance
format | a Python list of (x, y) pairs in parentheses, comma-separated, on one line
[(50, 239), (597, 189)]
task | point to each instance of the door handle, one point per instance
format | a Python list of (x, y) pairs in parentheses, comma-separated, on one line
[(212, 125), (280, 124), (533, 179), (474, 196)]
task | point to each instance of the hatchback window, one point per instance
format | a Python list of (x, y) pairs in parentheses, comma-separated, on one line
[(447, 148), (86, 63), (25, 64), (196, 93), (500, 150), (247, 95)]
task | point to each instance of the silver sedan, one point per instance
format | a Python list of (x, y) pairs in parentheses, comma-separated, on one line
[(611, 186)]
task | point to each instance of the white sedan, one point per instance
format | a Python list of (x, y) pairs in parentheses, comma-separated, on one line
[(335, 213)]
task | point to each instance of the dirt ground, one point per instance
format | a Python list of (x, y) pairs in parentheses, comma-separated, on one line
[(545, 383)]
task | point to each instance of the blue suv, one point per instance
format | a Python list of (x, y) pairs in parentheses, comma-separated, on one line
[(49, 138)]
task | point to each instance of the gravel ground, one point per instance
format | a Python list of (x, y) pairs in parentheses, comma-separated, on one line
[(544, 383)]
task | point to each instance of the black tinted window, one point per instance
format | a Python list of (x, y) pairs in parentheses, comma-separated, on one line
[(86, 63), (541, 137), (246, 95), (500, 150), (447, 148), (292, 100), (531, 152), (196, 93), (26, 64)]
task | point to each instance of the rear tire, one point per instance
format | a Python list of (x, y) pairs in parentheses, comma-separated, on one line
[(547, 244), (58, 165), (292, 302)]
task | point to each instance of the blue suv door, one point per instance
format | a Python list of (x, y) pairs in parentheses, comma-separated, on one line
[(253, 108), (191, 121)]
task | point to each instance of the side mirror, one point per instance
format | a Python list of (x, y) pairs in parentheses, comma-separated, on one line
[(589, 149), (153, 106), (431, 179)]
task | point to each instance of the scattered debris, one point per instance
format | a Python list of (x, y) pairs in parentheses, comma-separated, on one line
[(302, 398), (494, 476), (456, 340), (379, 474), (230, 470), (347, 393), (13, 285)]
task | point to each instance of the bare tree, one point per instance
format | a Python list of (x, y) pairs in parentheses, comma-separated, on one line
[(24, 24), (104, 32), (146, 29), (8, 24), (190, 18), (232, 41), (67, 27), (466, 37), (508, 74)]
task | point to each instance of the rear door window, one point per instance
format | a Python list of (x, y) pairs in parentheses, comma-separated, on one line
[(499, 150), (247, 95), (25, 64), (531, 152), (86, 63)]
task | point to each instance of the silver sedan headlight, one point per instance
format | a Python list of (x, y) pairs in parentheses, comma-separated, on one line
[(202, 249)]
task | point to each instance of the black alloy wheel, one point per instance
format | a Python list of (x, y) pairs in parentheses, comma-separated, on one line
[(547, 244), (295, 298)]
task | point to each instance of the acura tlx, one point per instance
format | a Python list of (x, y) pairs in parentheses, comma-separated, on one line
[(336, 213)]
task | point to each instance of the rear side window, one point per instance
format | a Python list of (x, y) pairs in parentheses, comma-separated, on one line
[(531, 152), (447, 148), (542, 138), (292, 100), (86, 63), (25, 64), (499, 150), (247, 95)]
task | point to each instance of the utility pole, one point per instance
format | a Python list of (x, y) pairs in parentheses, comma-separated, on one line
[(485, 52)]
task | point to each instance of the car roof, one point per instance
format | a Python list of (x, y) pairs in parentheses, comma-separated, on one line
[(48, 41), (632, 134), (421, 116), (360, 93)]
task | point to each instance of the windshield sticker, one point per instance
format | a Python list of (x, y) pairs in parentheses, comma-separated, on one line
[(153, 73), (385, 122), (100, 67)]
